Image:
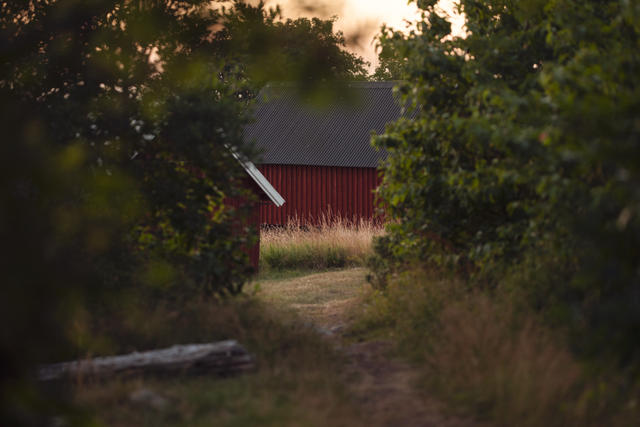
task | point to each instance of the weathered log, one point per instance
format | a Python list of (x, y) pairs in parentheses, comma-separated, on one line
[(222, 358)]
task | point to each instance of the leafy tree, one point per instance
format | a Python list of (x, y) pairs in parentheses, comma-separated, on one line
[(259, 44), (523, 161), (87, 69), (114, 173), (119, 118), (391, 65)]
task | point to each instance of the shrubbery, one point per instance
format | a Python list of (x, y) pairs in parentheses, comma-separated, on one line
[(522, 167)]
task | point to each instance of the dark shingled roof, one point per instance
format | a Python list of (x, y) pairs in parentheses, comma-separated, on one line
[(292, 132)]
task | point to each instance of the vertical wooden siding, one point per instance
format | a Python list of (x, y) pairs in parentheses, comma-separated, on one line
[(239, 228), (313, 191)]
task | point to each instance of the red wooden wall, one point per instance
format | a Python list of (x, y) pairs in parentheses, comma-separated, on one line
[(313, 191), (239, 227)]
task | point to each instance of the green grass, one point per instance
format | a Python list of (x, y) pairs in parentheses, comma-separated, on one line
[(285, 274), (321, 296)]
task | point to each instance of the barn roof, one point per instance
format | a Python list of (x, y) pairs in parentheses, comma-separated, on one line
[(290, 131)]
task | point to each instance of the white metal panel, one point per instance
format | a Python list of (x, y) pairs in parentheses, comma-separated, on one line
[(259, 179)]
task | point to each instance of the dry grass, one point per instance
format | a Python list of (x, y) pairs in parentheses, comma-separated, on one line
[(333, 243), (509, 370), (492, 359)]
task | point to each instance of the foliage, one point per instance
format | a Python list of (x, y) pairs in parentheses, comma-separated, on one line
[(391, 64), (526, 148), (259, 44), (119, 121), (113, 174)]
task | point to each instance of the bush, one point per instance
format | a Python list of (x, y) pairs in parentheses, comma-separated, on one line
[(525, 146)]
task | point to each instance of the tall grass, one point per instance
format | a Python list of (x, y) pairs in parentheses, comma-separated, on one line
[(333, 242), (488, 356)]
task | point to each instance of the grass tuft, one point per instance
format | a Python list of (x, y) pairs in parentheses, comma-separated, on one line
[(332, 243)]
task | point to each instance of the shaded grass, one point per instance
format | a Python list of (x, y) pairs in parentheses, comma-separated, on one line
[(259, 399), (316, 288), (270, 275), (296, 382), (492, 359), (332, 243)]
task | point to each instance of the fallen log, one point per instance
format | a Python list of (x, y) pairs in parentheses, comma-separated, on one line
[(221, 358)]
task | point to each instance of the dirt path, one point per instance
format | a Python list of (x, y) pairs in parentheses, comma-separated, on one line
[(383, 385)]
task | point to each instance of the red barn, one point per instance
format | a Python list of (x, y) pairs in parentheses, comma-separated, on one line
[(320, 159)]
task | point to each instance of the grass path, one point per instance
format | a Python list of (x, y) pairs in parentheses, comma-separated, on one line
[(382, 385), (322, 298)]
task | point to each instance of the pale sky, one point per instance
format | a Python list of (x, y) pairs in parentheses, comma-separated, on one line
[(363, 18)]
